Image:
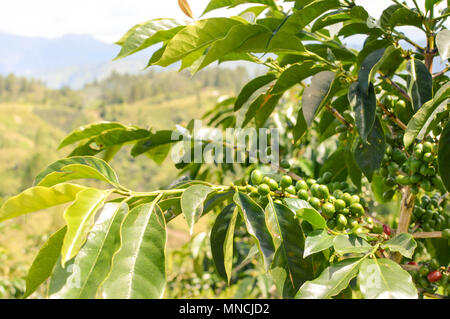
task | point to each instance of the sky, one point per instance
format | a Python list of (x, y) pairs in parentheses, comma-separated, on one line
[(105, 20)]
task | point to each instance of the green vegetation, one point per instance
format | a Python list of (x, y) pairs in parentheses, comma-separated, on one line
[(356, 208)]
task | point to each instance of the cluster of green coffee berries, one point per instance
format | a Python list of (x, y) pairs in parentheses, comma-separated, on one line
[(336, 201), (417, 171), (429, 276), (429, 214)]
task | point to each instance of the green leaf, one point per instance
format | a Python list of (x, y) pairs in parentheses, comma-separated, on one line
[(94, 260), (289, 267), (350, 244), (384, 279), (79, 217), (403, 243), (429, 4), (369, 68), (58, 171), (305, 211), (418, 124), (251, 87), (294, 75), (443, 44), (194, 37), (192, 203), (138, 268), (234, 40), (88, 131), (146, 34), (331, 281), (38, 198), (261, 108), (156, 140), (255, 222), (222, 235), (420, 83), (444, 156), (217, 4), (110, 138), (315, 95), (44, 262), (364, 105), (405, 16), (317, 241), (369, 155), (300, 126)]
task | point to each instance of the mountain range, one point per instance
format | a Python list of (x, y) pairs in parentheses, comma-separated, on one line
[(71, 60)]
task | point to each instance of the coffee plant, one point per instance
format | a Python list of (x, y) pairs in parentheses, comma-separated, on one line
[(356, 207)]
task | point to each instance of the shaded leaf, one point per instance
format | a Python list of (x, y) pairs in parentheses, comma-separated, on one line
[(384, 279), (255, 222), (444, 156), (251, 87), (420, 83), (364, 105), (403, 243), (315, 95), (138, 268)]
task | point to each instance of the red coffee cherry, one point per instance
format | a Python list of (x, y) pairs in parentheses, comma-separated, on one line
[(434, 276), (387, 230), (413, 263)]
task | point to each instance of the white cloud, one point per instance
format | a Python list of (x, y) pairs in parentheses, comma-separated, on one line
[(106, 20)]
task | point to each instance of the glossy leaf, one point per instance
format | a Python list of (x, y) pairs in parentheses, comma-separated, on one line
[(369, 155), (157, 139), (418, 124), (38, 198), (444, 156), (254, 218), (138, 268), (251, 87), (88, 131), (368, 69), (195, 36), (420, 84), (294, 75), (385, 279), (348, 244), (289, 267), (44, 262), (317, 241), (146, 34), (222, 236), (93, 262), (80, 218), (364, 105), (192, 203), (331, 281), (305, 211), (315, 95), (403, 243)]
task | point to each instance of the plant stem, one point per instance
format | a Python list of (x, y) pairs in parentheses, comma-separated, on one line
[(434, 234), (447, 68), (395, 85), (392, 116), (337, 115), (406, 208)]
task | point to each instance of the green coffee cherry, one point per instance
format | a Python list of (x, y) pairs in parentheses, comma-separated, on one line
[(263, 189), (387, 195), (418, 151), (303, 194), (347, 199), (339, 205), (341, 220), (323, 192), (285, 181), (315, 202), (301, 185), (256, 177), (355, 199), (357, 209), (427, 147), (311, 181), (273, 184), (328, 210), (290, 190), (428, 157)]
